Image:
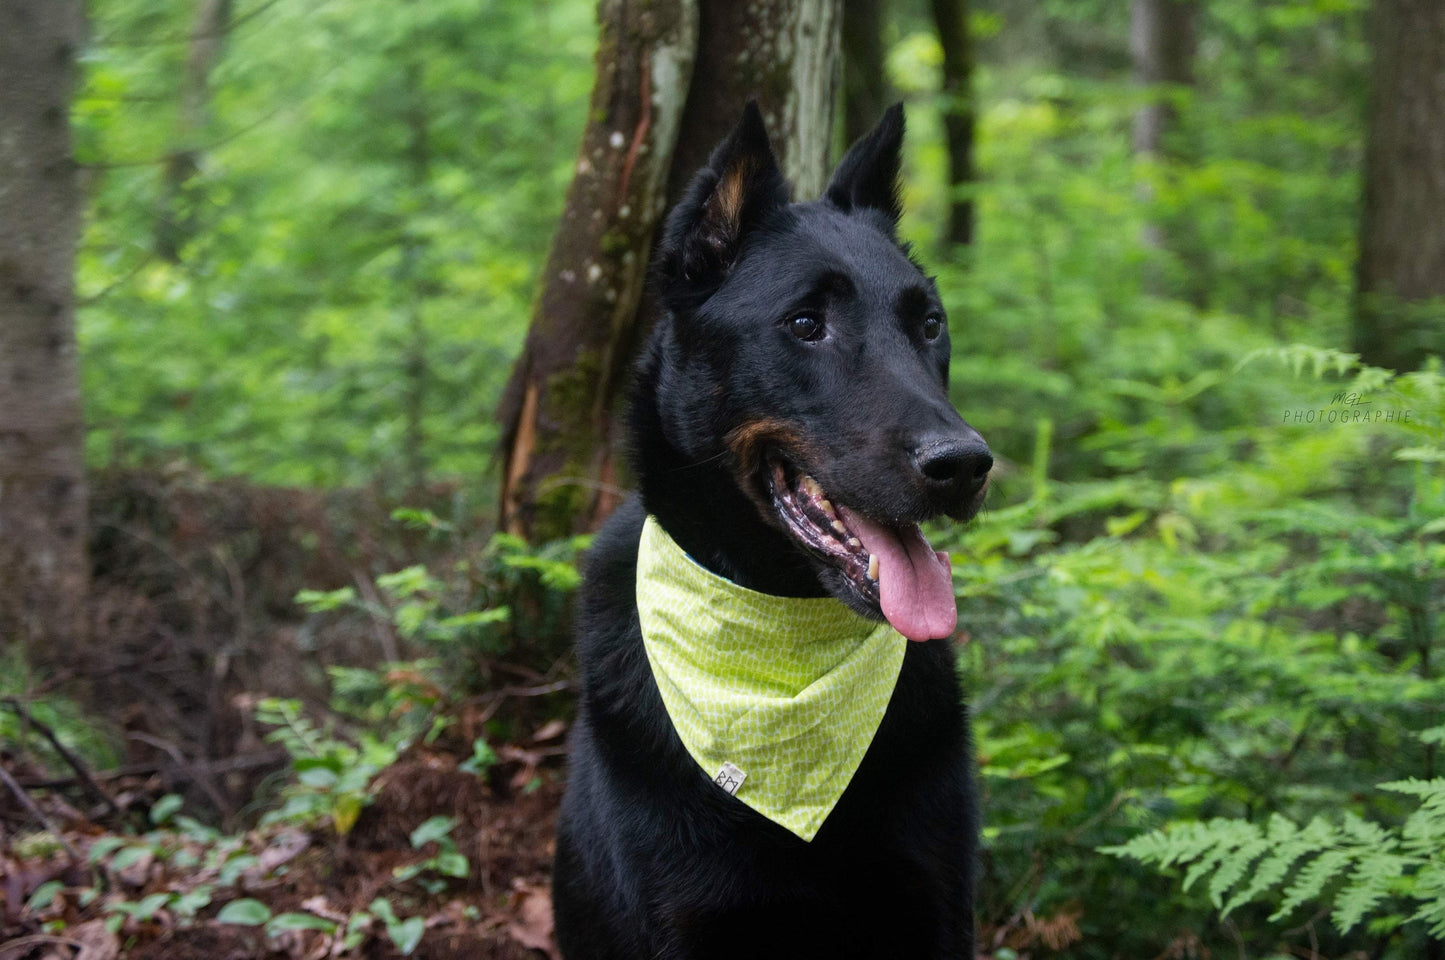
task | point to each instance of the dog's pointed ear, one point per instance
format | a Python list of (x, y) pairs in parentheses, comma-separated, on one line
[(740, 185), (868, 174)]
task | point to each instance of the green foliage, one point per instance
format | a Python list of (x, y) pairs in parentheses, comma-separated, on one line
[(333, 777), (503, 598), (373, 202), (405, 934), (446, 862), (1355, 864), (245, 912), (1231, 647)]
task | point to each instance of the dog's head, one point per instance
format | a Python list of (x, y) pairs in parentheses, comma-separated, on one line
[(804, 354)]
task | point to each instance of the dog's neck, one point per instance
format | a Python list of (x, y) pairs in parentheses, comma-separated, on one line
[(701, 507), (721, 529)]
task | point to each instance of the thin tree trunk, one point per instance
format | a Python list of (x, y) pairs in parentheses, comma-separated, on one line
[(175, 210), (43, 568), (1162, 42), (865, 77), (645, 141), (1402, 225), (411, 285), (556, 412), (951, 19)]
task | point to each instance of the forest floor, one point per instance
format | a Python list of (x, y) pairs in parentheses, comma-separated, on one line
[(77, 893), (180, 844)]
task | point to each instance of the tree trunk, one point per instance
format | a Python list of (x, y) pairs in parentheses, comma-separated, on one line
[(671, 82), (865, 76), (556, 412), (175, 209), (786, 55), (411, 285), (951, 19), (43, 570), (1162, 42), (1402, 226)]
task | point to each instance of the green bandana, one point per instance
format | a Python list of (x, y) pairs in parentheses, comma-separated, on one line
[(776, 698)]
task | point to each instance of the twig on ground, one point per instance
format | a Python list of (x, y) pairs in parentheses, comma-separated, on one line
[(82, 772), (21, 945), (196, 775), (245, 761), (36, 812)]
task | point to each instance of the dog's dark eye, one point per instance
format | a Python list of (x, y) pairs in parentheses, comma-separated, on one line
[(932, 326), (805, 326)]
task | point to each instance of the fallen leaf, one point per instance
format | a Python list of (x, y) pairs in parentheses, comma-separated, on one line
[(532, 927), (96, 942)]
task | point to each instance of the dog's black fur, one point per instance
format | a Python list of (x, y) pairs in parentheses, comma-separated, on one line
[(791, 338)]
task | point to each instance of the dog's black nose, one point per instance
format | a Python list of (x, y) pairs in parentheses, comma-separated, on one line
[(952, 461)]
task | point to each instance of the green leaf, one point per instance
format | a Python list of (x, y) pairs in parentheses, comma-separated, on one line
[(129, 857), (164, 808), (322, 601), (235, 866), (299, 921), (103, 848), (406, 934), (381, 909), (245, 912), (483, 758), (144, 909), (188, 903), (452, 864), (44, 895), (434, 828)]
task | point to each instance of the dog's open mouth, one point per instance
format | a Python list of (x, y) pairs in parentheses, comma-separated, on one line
[(891, 567)]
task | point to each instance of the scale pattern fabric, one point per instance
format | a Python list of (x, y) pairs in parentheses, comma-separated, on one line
[(788, 691)]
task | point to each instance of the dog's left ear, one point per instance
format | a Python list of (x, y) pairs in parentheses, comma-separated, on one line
[(868, 174), (740, 185)]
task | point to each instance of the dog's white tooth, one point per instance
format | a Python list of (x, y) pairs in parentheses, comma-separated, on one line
[(810, 486), (838, 526), (827, 506), (854, 542), (872, 566)]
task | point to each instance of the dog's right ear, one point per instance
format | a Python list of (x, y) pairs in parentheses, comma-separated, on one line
[(740, 185)]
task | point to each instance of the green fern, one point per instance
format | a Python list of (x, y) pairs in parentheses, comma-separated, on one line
[(1353, 866)]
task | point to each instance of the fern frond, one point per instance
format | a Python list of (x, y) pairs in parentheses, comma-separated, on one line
[(1373, 877), (1232, 868), (1297, 356), (1430, 888), (1310, 882), (1226, 838), (1352, 866), (1290, 843)]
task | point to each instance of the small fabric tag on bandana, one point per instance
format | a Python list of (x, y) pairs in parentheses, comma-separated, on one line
[(729, 778)]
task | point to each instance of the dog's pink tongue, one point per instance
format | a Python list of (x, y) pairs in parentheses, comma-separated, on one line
[(915, 583)]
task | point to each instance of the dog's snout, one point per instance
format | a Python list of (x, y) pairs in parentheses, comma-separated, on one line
[(954, 461)]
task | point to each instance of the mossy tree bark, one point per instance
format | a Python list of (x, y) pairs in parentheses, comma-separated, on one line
[(1401, 267), (43, 569), (951, 20), (672, 79)]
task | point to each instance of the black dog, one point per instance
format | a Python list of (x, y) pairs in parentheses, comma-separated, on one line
[(790, 426)]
